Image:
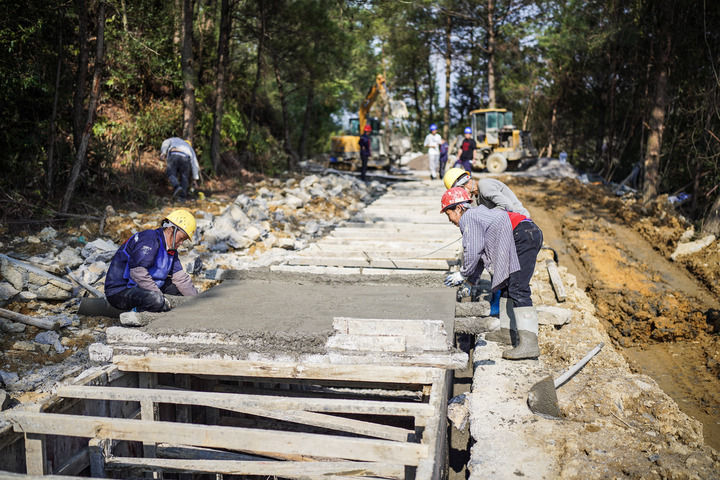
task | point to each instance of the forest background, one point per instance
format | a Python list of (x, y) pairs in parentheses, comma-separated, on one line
[(90, 88)]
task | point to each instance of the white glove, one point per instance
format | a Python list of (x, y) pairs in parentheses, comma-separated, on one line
[(454, 279)]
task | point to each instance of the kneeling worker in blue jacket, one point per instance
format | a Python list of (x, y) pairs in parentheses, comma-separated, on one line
[(146, 267)]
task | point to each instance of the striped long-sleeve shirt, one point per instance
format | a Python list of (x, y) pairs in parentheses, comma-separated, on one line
[(488, 242)]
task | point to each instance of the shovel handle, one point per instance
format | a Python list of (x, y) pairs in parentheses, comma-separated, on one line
[(575, 368)]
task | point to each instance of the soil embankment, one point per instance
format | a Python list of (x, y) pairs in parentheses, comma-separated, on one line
[(656, 311)]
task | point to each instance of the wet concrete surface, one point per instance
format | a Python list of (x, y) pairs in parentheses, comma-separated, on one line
[(298, 313)]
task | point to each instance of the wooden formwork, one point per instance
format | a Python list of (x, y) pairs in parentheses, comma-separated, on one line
[(241, 418)]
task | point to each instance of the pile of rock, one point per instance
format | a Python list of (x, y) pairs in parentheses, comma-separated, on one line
[(256, 229), (278, 217), (38, 277)]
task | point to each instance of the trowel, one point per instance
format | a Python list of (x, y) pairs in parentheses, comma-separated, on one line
[(542, 398)]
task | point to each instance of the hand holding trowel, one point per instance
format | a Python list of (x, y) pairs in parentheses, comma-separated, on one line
[(542, 397)]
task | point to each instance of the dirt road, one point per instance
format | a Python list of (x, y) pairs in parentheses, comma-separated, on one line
[(658, 313)]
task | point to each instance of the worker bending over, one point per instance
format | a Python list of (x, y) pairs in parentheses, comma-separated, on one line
[(147, 267), (487, 191), (507, 244), (181, 164)]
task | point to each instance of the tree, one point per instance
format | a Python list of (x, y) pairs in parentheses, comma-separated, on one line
[(81, 155), (656, 121), (188, 72), (223, 59)]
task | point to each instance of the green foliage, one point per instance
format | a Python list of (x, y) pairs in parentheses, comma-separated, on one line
[(297, 66)]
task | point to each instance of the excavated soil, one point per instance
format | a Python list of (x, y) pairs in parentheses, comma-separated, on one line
[(662, 315)]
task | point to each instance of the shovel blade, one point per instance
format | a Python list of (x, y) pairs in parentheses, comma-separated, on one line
[(542, 398)]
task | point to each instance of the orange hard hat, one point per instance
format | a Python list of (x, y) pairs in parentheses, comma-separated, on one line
[(453, 197)]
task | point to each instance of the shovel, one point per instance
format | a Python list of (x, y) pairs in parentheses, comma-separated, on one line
[(542, 398)]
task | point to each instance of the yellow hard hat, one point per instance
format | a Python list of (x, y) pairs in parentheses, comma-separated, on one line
[(184, 220), (452, 176)]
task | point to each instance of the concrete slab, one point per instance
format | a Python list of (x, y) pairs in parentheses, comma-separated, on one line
[(296, 314)]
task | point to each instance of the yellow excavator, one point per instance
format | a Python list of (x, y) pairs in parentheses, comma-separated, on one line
[(388, 141), (499, 142)]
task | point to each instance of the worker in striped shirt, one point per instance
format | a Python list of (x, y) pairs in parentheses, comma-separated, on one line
[(507, 244)]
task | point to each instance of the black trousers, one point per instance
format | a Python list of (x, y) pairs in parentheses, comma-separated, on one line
[(528, 241), (363, 169), (178, 172), (143, 300)]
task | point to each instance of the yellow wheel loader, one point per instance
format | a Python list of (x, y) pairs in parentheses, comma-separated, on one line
[(499, 143)]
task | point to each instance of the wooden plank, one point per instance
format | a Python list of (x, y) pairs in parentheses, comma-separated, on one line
[(98, 450), (247, 368), (288, 469), (35, 459), (232, 438), (556, 281), (435, 433), (48, 323), (166, 450), (22, 476), (75, 464), (331, 422), (148, 409), (232, 401)]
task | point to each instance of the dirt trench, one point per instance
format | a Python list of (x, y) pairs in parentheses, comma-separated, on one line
[(662, 315)]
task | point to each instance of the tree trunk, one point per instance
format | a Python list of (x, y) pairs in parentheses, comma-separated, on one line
[(292, 158), (711, 223), (222, 63), (431, 90), (491, 53), (418, 106), (81, 73), (651, 182), (448, 65), (124, 16), (553, 123), (189, 81), (205, 25), (258, 72), (306, 121), (50, 173), (177, 25), (92, 104)]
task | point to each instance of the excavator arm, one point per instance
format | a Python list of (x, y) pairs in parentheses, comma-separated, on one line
[(377, 89)]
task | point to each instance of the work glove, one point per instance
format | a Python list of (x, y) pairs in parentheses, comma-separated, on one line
[(166, 306), (454, 279)]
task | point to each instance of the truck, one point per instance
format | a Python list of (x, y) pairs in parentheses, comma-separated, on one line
[(499, 143), (389, 137)]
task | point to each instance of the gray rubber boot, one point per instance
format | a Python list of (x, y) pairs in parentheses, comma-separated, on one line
[(506, 334), (527, 326)]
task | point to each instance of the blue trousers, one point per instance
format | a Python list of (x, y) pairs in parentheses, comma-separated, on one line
[(464, 164)]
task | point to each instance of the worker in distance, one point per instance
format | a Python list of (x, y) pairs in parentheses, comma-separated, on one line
[(182, 164), (486, 191), (146, 267), (507, 244)]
